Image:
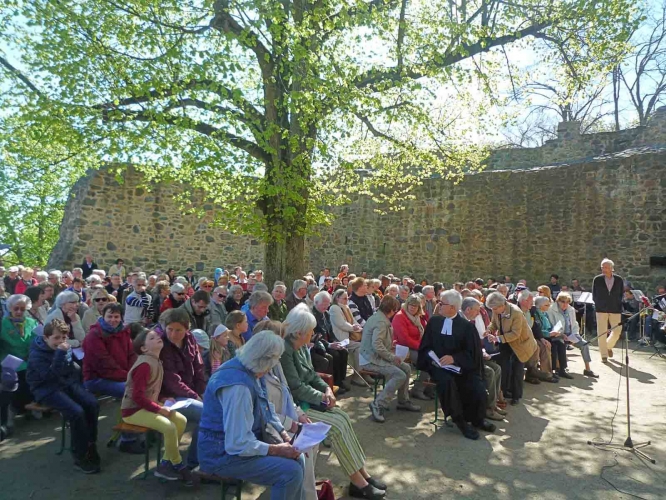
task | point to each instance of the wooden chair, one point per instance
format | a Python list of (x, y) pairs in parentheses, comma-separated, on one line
[(34, 406)]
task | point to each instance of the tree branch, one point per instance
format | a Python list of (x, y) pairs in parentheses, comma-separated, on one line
[(24, 79)]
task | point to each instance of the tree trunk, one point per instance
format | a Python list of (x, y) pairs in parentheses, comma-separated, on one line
[(285, 260)]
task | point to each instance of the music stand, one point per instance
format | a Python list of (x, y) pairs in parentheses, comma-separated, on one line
[(584, 298)]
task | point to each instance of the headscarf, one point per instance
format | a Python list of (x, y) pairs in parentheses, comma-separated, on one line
[(218, 273)]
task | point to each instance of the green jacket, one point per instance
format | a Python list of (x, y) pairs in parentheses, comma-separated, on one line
[(12, 343), (278, 312), (304, 383)]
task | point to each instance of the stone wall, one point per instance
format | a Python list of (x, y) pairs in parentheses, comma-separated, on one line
[(570, 144), (525, 223)]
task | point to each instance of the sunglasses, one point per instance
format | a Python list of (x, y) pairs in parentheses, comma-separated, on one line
[(101, 300), (221, 295), (179, 294)]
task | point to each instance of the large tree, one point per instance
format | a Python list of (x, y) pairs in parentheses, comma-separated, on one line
[(250, 100)]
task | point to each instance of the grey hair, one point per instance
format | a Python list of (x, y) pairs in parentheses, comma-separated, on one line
[(259, 297), (77, 269), (320, 297), (452, 298), (404, 288), (17, 299), (177, 288), (235, 288), (260, 287), (94, 277), (66, 274), (262, 352), (469, 303), (393, 287), (495, 299), (66, 298), (298, 284), (427, 288), (55, 272), (608, 261), (298, 321), (279, 284), (541, 300), (41, 276), (337, 294), (523, 295), (312, 288)]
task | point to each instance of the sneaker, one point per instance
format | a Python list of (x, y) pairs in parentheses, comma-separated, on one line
[(369, 491), (133, 447), (377, 412), (408, 406), (86, 466), (186, 474), (590, 373), (166, 470)]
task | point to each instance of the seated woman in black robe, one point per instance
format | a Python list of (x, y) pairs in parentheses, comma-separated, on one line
[(454, 342)]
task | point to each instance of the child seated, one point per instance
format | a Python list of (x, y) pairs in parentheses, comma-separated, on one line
[(55, 381), (219, 351), (140, 405)]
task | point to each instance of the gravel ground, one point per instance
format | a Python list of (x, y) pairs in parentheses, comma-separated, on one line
[(541, 452)]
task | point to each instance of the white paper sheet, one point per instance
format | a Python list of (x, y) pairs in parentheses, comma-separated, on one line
[(558, 327), (402, 351), (11, 362), (177, 405), (344, 343), (311, 435), (451, 368)]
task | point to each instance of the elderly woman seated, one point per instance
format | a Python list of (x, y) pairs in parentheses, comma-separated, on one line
[(235, 411), (317, 399), (326, 341), (286, 410), (65, 309), (558, 348), (346, 327), (562, 312)]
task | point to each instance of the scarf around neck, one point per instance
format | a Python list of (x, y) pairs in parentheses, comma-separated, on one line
[(108, 329), (413, 319)]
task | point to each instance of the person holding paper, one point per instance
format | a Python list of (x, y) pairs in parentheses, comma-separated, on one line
[(316, 398), (558, 348), (408, 328), (16, 335), (454, 341), (345, 327), (376, 356), (561, 312), (236, 409)]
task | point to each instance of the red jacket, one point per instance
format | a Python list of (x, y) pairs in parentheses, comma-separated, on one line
[(107, 356), (22, 286), (183, 369), (405, 332)]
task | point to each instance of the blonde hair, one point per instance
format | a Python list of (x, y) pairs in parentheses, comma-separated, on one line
[(545, 291), (562, 296), (218, 352)]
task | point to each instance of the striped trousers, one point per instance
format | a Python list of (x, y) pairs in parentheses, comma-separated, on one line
[(343, 438)]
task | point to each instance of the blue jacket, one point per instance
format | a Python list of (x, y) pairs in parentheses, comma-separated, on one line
[(50, 370)]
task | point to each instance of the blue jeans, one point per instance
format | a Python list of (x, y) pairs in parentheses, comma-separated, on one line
[(81, 409), (106, 387), (283, 475), (193, 414)]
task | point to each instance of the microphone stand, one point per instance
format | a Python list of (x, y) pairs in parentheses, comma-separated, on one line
[(628, 444)]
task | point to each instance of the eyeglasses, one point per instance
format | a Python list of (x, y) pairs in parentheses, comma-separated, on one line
[(179, 294), (221, 295), (101, 300)]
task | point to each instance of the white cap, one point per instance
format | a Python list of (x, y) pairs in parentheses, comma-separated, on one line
[(13, 269), (219, 331)]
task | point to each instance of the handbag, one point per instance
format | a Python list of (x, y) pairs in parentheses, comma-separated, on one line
[(325, 490)]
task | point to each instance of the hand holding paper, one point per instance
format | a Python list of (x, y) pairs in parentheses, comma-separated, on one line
[(311, 435)]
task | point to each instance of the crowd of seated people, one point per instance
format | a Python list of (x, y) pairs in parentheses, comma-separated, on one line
[(249, 367)]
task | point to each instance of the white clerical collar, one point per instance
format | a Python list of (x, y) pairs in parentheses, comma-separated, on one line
[(447, 328)]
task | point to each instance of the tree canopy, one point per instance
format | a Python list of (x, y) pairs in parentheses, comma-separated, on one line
[(270, 106)]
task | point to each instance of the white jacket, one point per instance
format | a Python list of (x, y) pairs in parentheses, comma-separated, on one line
[(556, 314), (341, 327)]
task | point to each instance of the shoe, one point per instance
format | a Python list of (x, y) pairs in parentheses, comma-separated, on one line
[(604, 360), (357, 381), (37, 415), (570, 347), (380, 485), (346, 383), (368, 491), (493, 415), (534, 381), (467, 430), (420, 395), (408, 406), (86, 466), (133, 447), (166, 470), (515, 402), (643, 342), (186, 474), (590, 373), (369, 380), (377, 412), (486, 426), (566, 375), (501, 411), (552, 380), (93, 455), (341, 391), (610, 353)]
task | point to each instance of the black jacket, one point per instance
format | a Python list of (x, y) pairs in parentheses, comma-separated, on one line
[(363, 304), (605, 301)]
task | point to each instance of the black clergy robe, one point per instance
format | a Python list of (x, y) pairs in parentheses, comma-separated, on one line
[(463, 395)]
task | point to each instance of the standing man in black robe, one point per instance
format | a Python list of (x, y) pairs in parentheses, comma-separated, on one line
[(454, 341)]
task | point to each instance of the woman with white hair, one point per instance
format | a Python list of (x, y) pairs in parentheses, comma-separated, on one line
[(316, 398), (327, 344), (511, 328), (235, 409), (234, 300), (563, 313), (65, 309), (346, 327), (16, 335)]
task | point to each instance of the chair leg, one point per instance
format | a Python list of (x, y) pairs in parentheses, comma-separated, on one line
[(239, 487), (146, 465), (224, 490), (159, 447), (63, 437)]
